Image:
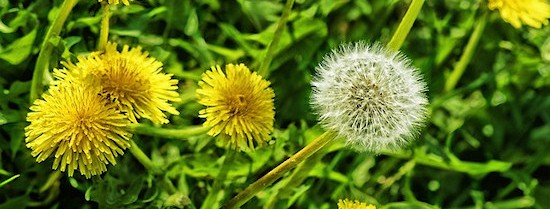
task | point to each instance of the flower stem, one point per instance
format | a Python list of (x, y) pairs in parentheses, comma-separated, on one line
[(298, 176), (169, 133), (212, 196), (104, 31), (405, 25), (46, 49), (452, 163), (143, 158), (280, 170), (466, 57), (264, 67), (53, 179), (52, 187)]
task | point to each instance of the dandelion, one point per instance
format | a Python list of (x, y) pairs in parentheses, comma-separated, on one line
[(130, 79), (534, 13), (125, 2), (370, 96), (239, 105), (348, 204), (78, 127)]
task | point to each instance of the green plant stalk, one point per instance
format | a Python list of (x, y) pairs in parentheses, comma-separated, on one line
[(167, 185), (52, 180), (212, 196), (104, 31), (46, 49), (52, 186), (298, 176), (453, 164), (405, 26), (406, 168), (264, 66), (280, 170), (518, 202), (202, 48), (466, 57), (408, 193), (9, 180), (143, 158), (169, 133), (52, 195), (169, 15)]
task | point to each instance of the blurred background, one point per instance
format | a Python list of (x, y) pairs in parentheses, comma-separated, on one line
[(485, 144)]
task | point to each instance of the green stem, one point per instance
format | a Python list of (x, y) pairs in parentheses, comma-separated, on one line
[(104, 31), (46, 49), (52, 180), (264, 67), (10, 180), (143, 158), (280, 170), (212, 197), (389, 181), (167, 185), (52, 186), (169, 133), (405, 25), (201, 47), (466, 57), (298, 176), (453, 163)]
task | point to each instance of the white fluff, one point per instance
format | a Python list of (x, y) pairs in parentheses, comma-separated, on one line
[(370, 96)]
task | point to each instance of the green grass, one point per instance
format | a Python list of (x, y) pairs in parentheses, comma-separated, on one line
[(485, 144)]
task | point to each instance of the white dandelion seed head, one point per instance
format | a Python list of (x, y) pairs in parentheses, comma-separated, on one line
[(372, 97)]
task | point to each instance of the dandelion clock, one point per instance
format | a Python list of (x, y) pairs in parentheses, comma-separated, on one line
[(370, 96)]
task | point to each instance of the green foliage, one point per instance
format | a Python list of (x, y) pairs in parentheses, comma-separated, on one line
[(485, 145)]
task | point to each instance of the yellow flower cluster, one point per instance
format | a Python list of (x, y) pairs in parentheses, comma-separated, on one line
[(79, 128), (348, 204), (239, 106), (82, 121), (534, 13), (130, 79)]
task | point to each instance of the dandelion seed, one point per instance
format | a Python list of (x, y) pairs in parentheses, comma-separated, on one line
[(79, 128), (348, 204), (534, 13), (370, 96), (130, 79), (239, 105), (125, 2)]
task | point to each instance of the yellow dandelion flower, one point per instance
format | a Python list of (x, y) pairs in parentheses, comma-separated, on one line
[(78, 127), (125, 2), (130, 79), (348, 204), (239, 105), (534, 13)]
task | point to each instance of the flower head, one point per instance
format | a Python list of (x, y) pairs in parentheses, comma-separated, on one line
[(125, 2), (348, 204), (130, 79), (370, 96), (534, 13), (239, 105), (78, 127)]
